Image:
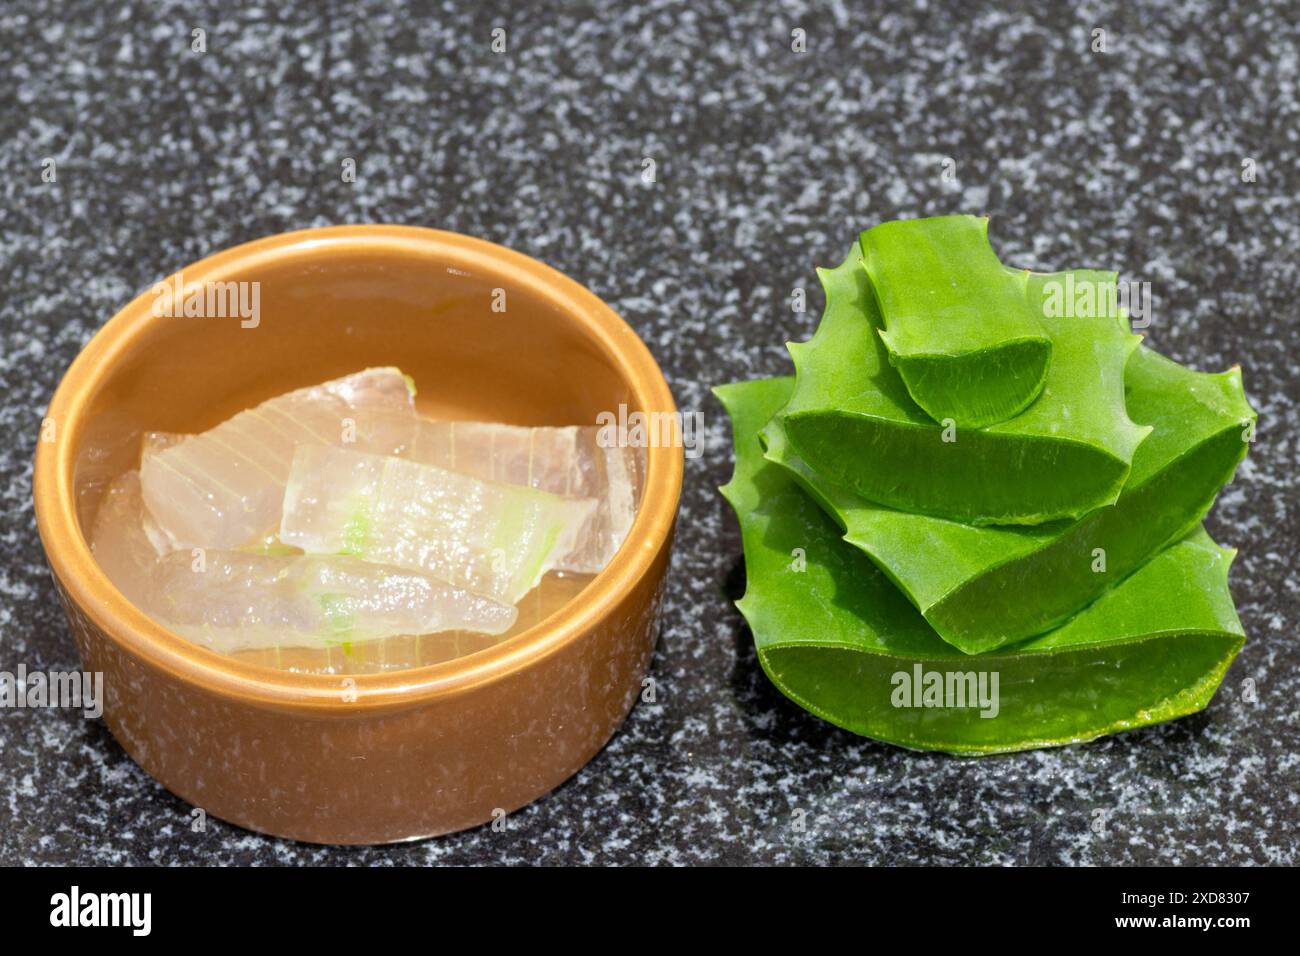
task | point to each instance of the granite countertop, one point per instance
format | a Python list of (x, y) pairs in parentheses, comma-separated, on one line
[(767, 163)]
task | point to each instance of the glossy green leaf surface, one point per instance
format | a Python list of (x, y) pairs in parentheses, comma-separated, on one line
[(852, 419), (958, 324), (840, 640), (981, 588)]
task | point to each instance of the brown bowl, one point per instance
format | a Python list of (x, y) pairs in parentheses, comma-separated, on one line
[(370, 758)]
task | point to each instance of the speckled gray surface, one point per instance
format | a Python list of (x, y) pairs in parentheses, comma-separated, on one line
[(767, 163)]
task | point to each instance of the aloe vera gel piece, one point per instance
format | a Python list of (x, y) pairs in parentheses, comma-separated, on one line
[(981, 588), (222, 488), (853, 421), (337, 516), (567, 461), (957, 323), (238, 601), (234, 600), (836, 636), (494, 539)]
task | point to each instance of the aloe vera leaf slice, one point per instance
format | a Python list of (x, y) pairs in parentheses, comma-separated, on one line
[(852, 420), (958, 325), (241, 601), (153, 442), (223, 488), (834, 635), (981, 588), (566, 460), (490, 538), (231, 601)]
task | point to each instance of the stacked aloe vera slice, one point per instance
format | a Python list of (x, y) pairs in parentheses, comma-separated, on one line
[(336, 514), (972, 520)]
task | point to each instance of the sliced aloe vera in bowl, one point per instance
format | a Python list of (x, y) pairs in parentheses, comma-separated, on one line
[(238, 601), (958, 325), (852, 420), (983, 587), (222, 488), (565, 460), (233, 601), (488, 537), (835, 635)]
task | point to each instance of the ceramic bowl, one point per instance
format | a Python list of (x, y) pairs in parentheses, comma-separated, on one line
[(488, 334)]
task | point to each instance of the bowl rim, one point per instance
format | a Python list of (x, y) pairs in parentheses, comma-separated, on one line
[(133, 632)]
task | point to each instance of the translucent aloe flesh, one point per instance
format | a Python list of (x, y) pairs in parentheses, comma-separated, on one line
[(242, 601), (958, 325), (223, 488), (852, 420), (565, 461), (491, 538), (984, 587), (835, 635), (232, 601)]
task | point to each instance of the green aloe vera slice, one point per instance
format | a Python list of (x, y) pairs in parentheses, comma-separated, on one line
[(959, 328), (838, 639), (981, 588), (852, 420)]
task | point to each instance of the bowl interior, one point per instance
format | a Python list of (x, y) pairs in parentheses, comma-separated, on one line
[(484, 339)]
